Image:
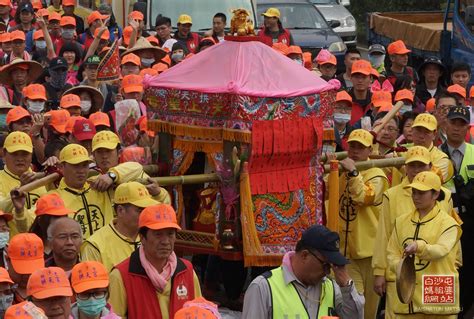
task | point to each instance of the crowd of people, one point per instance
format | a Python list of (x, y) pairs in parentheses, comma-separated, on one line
[(101, 244)]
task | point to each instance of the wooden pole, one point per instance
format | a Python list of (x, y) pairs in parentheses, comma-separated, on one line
[(380, 163), (43, 181), (388, 117), (183, 179), (339, 156), (332, 216)]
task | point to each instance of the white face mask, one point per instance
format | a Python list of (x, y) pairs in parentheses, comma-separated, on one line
[(40, 44), (376, 60), (298, 61), (67, 34), (147, 62), (86, 106), (177, 57), (4, 238), (405, 108), (342, 118), (5, 302), (35, 107)]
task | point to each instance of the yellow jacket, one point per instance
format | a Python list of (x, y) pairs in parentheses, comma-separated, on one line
[(436, 235), (441, 161), (396, 201), (93, 209), (132, 171), (22, 222), (108, 246), (359, 211)]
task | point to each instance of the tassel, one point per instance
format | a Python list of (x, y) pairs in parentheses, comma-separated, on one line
[(198, 146), (234, 135)]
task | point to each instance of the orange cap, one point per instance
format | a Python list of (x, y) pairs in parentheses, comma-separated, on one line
[(136, 15), (153, 40), (95, 15), (35, 92), (133, 154), (131, 58), (343, 96), (381, 98), (67, 20), (105, 35), (430, 105), (59, 119), (127, 34), (132, 83), (69, 3), (5, 37), (194, 312), (375, 73), (5, 3), (457, 89), (70, 100), (308, 60), (397, 47), (18, 311), (280, 47), (158, 217), (4, 276), (43, 13), (89, 275), (160, 67), (26, 253), (70, 123), (100, 118), (38, 34), (54, 16), (293, 49), (7, 216), (17, 35), (361, 66), (37, 5), (142, 123), (51, 204), (148, 71), (471, 91), (17, 113), (404, 94), (48, 282), (386, 108)]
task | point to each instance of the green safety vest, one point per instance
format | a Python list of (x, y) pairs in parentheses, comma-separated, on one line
[(287, 303), (467, 160)]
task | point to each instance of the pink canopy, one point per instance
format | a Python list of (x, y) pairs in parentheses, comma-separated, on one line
[(242, 68)]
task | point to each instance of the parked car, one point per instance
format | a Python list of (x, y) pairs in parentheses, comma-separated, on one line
[(335, 10), (307, 26)]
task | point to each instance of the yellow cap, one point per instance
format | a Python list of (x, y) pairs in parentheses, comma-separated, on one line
[(185, 19), (74, 154), (426, 181), (18, 141), (105, 139), (272, 13), (418, 154), (362, 136), (133, 193), (426, 120)]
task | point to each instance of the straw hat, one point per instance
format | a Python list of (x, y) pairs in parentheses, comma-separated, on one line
[(97, 97), (34, 71), (142, 45)]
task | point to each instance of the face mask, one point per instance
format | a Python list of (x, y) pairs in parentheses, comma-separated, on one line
[(86, 106), (67, 34), (3, 122), (376, 60), (40, 44), (91, 307), (298, 61), (4, 238), (177, 57), (58, 78), (405, 108), (147, 62), (5, 302), (35, 107), (341, 118)]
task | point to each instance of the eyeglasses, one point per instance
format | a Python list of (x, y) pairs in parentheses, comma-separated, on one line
[(325, 264), (65, 237), (95, 295)]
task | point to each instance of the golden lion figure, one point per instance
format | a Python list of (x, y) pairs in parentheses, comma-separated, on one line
[(240, 24)]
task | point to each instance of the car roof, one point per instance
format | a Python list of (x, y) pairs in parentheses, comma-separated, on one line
[(283, 2)]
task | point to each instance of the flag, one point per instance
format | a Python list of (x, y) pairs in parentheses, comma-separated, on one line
[(109, 67)]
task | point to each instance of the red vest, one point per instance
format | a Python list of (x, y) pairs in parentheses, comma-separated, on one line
[(142, 302), (193, 43), (284, 37)]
